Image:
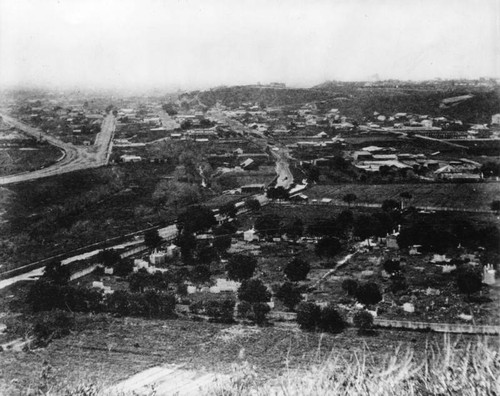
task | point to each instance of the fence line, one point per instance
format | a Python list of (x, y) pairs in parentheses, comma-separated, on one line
[(376, 205), (439, 327)]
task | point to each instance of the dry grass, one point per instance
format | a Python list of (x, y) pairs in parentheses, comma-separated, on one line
[(444, 369)]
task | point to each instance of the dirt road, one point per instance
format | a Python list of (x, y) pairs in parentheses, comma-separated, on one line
[(75, 158), (168, 380)]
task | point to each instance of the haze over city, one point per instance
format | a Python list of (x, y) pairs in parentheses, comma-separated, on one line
[(195, 44)]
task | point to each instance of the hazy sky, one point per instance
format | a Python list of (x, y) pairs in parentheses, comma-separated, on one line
[(203, 43)]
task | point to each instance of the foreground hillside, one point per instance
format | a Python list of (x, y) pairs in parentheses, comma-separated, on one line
[(255, 360)]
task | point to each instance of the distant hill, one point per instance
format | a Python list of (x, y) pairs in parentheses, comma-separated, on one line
[(358, 102), (235, 96)]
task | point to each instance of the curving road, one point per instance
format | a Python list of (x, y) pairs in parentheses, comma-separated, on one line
[(75, 158)]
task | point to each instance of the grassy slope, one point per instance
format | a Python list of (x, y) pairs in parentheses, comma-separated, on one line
[(108, 350)]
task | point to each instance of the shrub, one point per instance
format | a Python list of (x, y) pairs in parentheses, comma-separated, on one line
[(52, 325), (363, 320), (289, 294), (220, 311), (330, 320), (297, 270), (308, 315)]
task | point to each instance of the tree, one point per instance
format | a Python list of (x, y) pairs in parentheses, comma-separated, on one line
[(297, 270), (241, 267), (220, 311), (328, 247), (187, 243), (152, 239), (222, 237), (52, 325), (253, 291), (308, 315), (268, 224), (350, 286), (277, 193), (289, 294), (330, 320), (196, 218), (390, 205), (392, 266), (252, 204), (469, 282), (200, 274), (57, 273), (228, 209), (349, 198), (368, 294), (108, 257), (363, 320), (207, 255), (405, 197), (295, 229), (495, 206)]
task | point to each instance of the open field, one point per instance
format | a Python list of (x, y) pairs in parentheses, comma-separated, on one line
[(25, 159), (451, 195), (109, 350)]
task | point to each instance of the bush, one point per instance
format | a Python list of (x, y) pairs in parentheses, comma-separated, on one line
[(297, 270), (308, 315), (289, 294), (363, 320), (220, 311), (52, 325), (331, 321), (241, 267), (350, 286), (368, 294), (256, 312)]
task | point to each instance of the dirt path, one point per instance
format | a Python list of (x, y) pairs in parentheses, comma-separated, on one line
[(166, 380)]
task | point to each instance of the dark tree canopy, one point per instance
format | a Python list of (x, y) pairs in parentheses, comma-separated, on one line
[(196, 218), (330, 320), (228, 209), (252, 204), (328, 247), (392, 266), (295, 229), (241, 267), (289, 294), (108, 257), (152, 239), (277, 193), (363, 320), (253, 291), (469, 282), (268, 224), (349, 198), (368, 294), (308, 315), (57, 273), (297, 270), (390, 205), (200, 274)]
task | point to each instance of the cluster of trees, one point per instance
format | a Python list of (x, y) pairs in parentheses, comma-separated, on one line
[(446, 234), (219, 311), (253, 296), (312, 317), (148, 295), (367, 293)]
